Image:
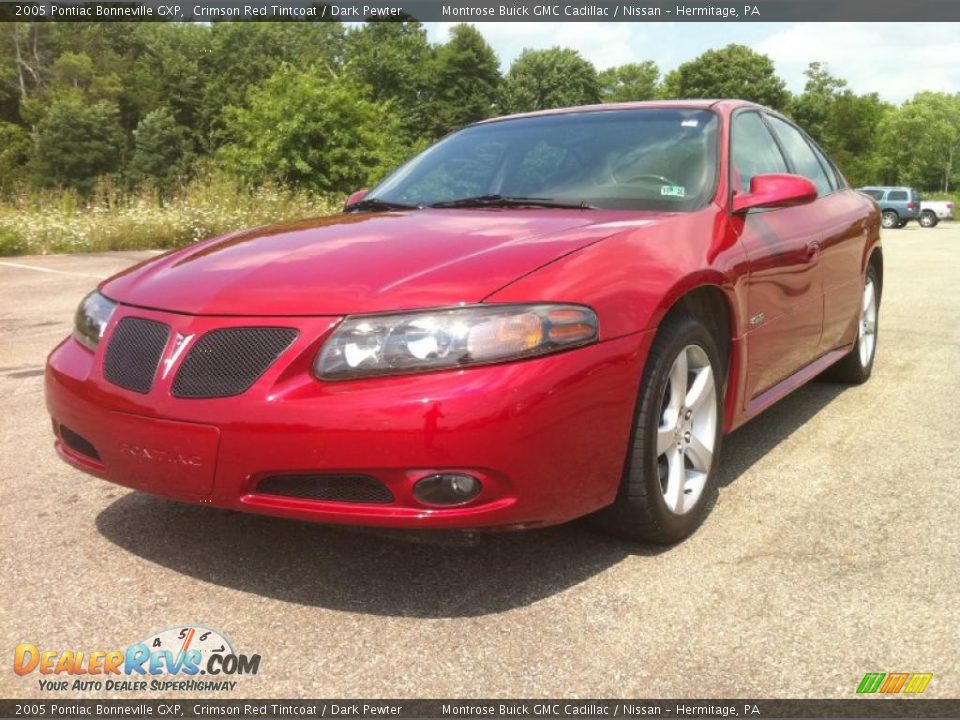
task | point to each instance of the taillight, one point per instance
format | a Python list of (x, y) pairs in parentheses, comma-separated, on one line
[(949, 206), (910, 206)]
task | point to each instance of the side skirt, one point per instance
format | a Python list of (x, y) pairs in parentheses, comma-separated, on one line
[(783, 388)]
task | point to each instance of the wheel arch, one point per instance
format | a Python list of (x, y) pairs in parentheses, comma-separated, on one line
[(714, 303)]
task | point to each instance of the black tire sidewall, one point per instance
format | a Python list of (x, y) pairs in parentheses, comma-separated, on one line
[(889, 213), (642, 463)]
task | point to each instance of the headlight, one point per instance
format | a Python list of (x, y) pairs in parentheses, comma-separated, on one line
[(92, 318), (369, 345)]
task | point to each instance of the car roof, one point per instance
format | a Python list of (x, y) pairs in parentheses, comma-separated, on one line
[(725, 106)]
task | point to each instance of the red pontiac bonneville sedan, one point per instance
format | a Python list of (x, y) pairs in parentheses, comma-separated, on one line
[(540, 317)]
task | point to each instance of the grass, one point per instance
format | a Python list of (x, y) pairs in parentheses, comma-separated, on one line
[(34, 222)]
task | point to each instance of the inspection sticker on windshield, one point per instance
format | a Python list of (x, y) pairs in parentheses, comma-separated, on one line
[(673, 190), (689, 123)]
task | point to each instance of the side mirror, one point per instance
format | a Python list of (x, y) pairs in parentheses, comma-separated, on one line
[(775, 190), (355, 197)]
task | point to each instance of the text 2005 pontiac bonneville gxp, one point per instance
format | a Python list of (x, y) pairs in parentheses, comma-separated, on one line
[(540, 317)]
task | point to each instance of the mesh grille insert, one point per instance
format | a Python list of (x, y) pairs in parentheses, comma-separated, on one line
[(78, 443), (134, 352), (228, 361), (333, 488)]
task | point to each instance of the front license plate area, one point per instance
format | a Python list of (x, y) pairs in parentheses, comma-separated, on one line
[(162, 456)]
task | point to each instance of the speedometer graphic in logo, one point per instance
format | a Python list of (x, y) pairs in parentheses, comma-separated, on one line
[(184, 638)]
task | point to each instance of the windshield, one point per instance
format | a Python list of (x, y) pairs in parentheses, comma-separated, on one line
[(644, 159)]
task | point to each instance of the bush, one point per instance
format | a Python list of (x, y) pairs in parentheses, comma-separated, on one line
[(316, 133), (77, 142), (159, 151), (41, 222), (11, 243)]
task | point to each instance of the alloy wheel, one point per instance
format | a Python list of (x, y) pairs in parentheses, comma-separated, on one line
[(868, 323), (687, 429), (889, 220)]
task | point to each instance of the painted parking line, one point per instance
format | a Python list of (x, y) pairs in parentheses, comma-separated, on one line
[(22, 266)]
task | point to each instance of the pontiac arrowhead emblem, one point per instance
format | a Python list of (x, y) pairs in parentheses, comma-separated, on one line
[(180, 343)]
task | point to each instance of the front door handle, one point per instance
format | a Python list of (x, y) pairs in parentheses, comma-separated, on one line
[(813, 251)]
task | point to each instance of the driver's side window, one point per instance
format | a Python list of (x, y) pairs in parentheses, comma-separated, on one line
[(753, 151)]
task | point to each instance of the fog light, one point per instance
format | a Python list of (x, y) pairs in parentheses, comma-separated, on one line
[(447, 489)]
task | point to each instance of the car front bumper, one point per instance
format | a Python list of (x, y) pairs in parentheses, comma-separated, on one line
[(546, 437)]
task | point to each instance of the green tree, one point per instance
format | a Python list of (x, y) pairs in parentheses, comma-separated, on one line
[(627, 83), (393, 60), (76, 143), (160, 149), (920, 141), (15, 149), (465, 82), (318, 133), (812, 109), (734, 71), (244, 54), (73, 70), (169, 72), (541, 79), (108, 75), (842, 122), (850, 136)]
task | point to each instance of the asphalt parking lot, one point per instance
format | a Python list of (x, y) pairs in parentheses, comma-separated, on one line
[(833, 550)]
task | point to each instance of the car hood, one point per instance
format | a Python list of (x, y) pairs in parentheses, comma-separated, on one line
[(359, 263)]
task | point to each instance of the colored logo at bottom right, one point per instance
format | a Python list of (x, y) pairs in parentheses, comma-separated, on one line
[(907, 683)]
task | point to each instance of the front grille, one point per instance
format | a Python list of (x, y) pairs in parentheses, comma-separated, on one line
[(228, 361), (78, 443), (134, 352), (333, 488)]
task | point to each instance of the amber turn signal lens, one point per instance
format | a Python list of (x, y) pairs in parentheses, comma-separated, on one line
[(563, 316), (577, 332)]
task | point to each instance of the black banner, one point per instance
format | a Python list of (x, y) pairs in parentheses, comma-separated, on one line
[(478, 11), (464, 709)]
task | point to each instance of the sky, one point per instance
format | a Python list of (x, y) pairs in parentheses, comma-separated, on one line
[(893, 59)]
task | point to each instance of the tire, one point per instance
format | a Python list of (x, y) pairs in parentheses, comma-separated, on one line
[(928, 219), (857, 366), (902, 224), (664, 496), (889, 219)]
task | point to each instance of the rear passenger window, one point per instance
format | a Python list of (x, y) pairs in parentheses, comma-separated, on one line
[(897, 195), (800, 152), (754, 150), (875, 194), (827, 167)]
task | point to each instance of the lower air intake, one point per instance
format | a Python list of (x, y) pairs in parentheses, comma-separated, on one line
[(331, 488), (78, 443), (229, 361)]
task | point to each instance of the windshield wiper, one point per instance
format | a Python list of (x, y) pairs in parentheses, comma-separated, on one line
[(378, 204), (509, 201)]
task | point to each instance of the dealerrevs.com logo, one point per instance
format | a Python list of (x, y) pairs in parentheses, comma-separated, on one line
[(177, 659)]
